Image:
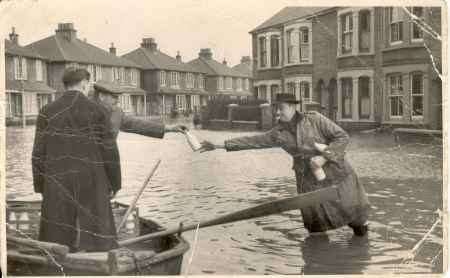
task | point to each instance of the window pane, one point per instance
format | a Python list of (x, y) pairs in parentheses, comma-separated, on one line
[(417, 105), (364, 98), (347, 98)]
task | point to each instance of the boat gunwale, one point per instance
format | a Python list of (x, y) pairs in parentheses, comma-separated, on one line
[(181, 247)]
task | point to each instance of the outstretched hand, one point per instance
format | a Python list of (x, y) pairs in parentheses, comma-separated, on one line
[(207, 146), (177, 128)]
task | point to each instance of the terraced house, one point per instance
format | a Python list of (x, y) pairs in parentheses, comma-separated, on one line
[(170, 84), (361, 66), (221, 80), (26, 82), (64, 49)]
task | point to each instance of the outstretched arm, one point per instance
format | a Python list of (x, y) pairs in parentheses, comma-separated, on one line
[(262, 141)]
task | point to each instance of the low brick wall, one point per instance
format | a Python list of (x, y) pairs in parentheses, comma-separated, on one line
[(357, 126)]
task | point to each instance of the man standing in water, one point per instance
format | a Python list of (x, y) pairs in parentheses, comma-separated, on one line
[(75, 160), (302, 135)]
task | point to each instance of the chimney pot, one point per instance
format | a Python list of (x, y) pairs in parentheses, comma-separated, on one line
[(178, 57), (205, 53), (149, 43), (112, 49), (67, 31), (13, 37), (246, 60), (224, 62)]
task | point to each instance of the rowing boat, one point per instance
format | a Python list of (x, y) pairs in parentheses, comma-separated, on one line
[(28, 256)]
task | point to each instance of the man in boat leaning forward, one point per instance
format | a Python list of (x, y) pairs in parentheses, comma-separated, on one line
[(75, 162), (107, 96), (314, 142)]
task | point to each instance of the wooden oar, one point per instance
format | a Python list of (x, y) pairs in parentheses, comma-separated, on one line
[(51, 247), (138, 195), (298, 202)]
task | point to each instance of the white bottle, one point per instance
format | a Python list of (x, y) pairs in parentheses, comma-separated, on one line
[(319, 173), (24, 218), (193, 141)]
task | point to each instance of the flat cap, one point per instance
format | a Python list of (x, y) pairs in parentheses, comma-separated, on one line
[(106, 87), (74, 75)]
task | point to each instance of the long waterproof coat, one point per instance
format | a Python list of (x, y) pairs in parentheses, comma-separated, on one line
[(75, 164), (298, 140)]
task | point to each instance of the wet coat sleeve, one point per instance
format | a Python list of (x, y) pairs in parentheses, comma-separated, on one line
[(142, 127), (39, 153), (269, 139), (337, 138), (109, 151)]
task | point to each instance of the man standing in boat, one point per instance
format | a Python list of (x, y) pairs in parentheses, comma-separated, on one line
[(75, 162), (317, 146), (107, 96)]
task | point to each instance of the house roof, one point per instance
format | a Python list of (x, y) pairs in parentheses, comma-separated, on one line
[(212, 67), (28, 86), (151, 60), (14, 49), (59, 49), (244, 69), (287, 14)]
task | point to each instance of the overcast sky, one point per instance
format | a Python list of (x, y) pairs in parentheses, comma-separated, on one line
[(177, 25)]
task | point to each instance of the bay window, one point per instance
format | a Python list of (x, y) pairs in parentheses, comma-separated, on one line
[(174, 79), (396, 95), (39, 71), (364, 31), (417, 94), (290, 42), (395, 24), (304, 44), (347, 33), (162, 78), (417, 33), (20, 68), (364, 97), (305, 93), (274, 50), (262, 92), (346, 97), (262, 52)]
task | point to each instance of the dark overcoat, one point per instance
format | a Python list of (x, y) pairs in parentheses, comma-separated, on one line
[(76, 166), (298, 141)]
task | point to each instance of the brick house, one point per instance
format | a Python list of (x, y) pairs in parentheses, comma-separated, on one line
[(64, 49), (360, 66), (169, 83), (221, 80), (26, 82)]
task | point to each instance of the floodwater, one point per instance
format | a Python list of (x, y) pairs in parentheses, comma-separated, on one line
[(404, 186)]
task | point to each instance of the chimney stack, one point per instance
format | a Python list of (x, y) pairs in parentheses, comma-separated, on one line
[(205, 53), (13, 37), (224, 62), (178, 57), (149, 43), (66, 31), (112, 49), (246, 60)]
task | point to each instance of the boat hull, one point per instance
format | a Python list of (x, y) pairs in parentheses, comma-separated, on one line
[(163, 256)]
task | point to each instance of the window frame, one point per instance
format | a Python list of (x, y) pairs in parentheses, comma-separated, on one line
[(347, 30), (413, 94), (415, 25), (39, 70), (399, 24), (349, 94), (302, 44), (262, 42), (275, 51), (399, 95)]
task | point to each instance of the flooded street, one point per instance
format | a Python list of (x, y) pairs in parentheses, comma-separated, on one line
[(404, 186)]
